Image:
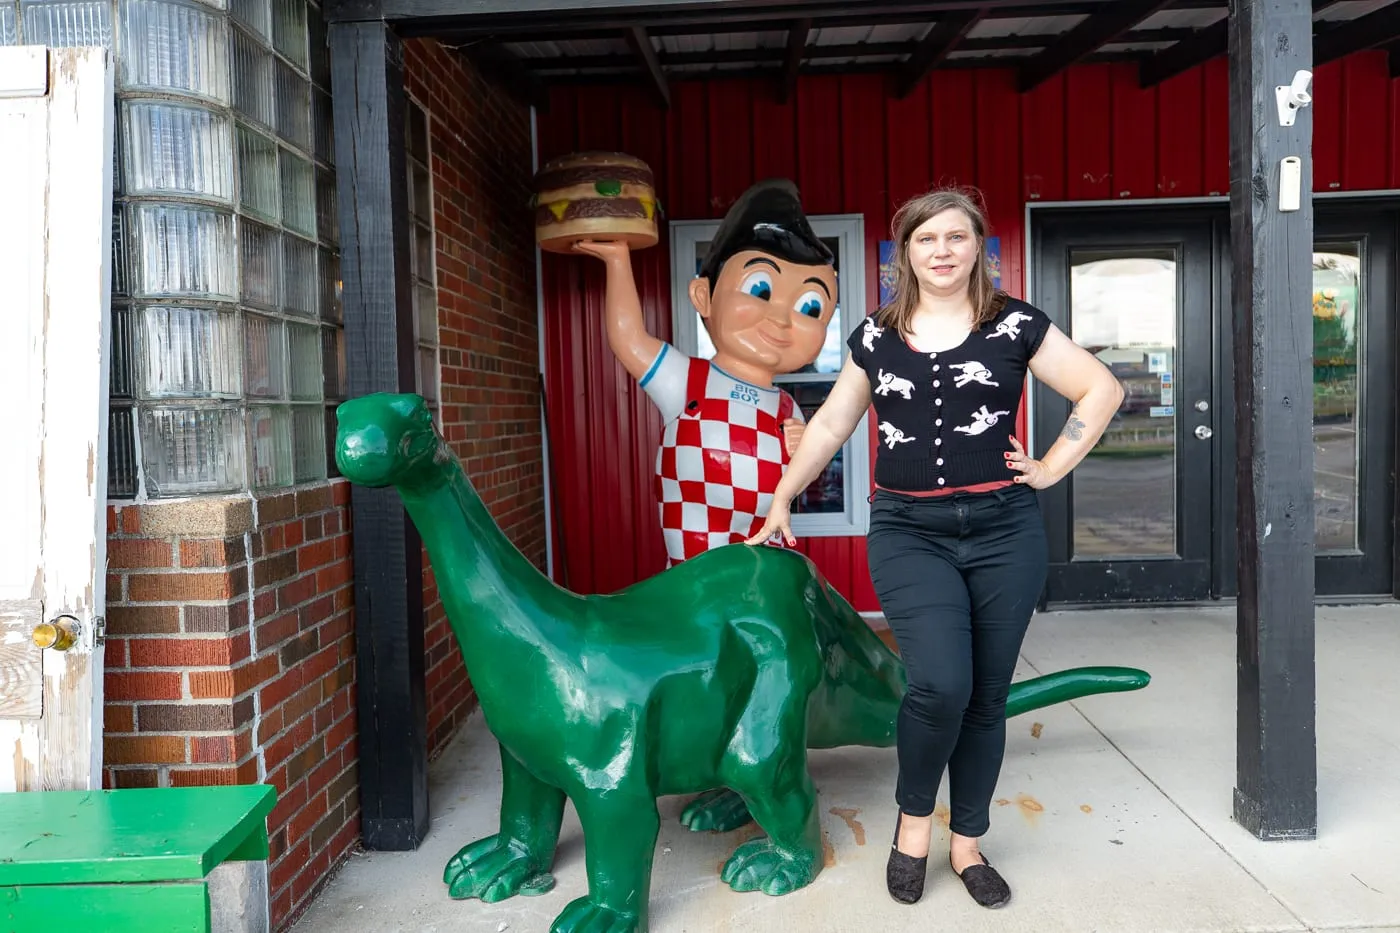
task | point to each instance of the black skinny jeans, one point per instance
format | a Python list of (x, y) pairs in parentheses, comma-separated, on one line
[(958, 577)]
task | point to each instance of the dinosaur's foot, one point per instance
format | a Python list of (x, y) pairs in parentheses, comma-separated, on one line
[(718, 811), (759, 865), (584, 916), (494, 869)]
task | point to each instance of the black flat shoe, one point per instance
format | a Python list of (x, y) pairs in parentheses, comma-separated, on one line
[(987, 887), (904, 874)]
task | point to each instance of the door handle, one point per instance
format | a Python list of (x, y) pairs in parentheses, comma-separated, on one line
[(1203, 432), (60, 633)]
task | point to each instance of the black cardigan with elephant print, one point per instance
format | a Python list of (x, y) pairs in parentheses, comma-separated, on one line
[(946, 418)]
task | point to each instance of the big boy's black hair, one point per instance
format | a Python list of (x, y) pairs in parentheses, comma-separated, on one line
[(767, 217)]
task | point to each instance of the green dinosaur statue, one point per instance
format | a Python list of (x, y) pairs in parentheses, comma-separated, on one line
[(715, 675)]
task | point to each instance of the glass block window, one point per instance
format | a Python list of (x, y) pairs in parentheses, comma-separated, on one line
[(422, 258), (227, 336)]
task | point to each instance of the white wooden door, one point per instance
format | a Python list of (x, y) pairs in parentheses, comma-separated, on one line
[(55, 269)]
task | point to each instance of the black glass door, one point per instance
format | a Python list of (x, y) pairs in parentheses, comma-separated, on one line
[(1133, 522), (1354, 390)]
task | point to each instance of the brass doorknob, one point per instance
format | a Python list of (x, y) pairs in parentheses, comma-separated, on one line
[(60, 633)]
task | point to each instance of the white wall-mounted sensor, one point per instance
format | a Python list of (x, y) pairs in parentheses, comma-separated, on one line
[(1290, 184), (1292, 96)]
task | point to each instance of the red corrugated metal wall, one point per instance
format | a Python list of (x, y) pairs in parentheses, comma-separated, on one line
[(1088, 134)]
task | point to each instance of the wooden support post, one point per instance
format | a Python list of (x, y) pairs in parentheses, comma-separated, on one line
[(1271, 252), (368, 107)]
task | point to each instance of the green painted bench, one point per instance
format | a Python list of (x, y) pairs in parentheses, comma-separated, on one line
[(123, 861)]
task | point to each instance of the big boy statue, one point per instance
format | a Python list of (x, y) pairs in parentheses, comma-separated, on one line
[(766, 292)]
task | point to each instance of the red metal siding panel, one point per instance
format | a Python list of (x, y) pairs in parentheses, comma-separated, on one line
[(731, 142), (819, 144), (1180, 136), (644, 135), (1088, 153), (1043, 130), (1365, 102), (1215, 75), (1134, 135), (774, 126), (1327, 127), (907, 132), (688, 188), (952, 112)]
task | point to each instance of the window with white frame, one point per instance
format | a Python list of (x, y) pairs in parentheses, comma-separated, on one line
[(835, 503)]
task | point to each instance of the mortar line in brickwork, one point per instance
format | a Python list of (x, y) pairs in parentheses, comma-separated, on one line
[(259, 750)]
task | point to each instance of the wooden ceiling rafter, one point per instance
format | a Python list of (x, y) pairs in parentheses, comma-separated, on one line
[(1092, 33), (942, 38), (1209, 42), (793, 54), (1365, 32), (640, 41)]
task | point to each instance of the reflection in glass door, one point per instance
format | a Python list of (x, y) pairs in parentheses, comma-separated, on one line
[(1132, 523), (1354, 391), (1337, 323), (1124, 310)]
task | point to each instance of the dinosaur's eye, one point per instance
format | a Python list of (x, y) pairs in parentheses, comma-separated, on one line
[(759, 284)]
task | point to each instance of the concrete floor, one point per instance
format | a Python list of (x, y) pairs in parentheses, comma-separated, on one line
[(1113, 813)]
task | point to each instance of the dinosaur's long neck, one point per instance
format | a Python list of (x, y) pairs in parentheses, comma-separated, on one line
[(498, 603)]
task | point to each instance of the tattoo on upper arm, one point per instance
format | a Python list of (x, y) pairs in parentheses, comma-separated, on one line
[(1074, 428)]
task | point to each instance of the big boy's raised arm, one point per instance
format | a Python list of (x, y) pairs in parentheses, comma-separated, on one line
[(627, 333)]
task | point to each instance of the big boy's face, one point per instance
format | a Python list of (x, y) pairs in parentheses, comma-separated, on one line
[(766, 312), (943, 252)]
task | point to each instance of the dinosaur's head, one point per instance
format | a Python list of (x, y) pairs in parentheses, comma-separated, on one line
[(385, 440)]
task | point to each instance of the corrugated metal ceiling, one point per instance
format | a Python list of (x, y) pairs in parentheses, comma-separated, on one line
[(875, 44)]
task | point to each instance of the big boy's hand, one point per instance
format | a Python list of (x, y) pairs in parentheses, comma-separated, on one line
[(779, 521), (792, 434), (606, 250)]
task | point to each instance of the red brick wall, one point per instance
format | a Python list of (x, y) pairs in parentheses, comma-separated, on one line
[(487, 325), (230, 659)]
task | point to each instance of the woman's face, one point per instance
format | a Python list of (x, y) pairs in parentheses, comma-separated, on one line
[(943, 252)]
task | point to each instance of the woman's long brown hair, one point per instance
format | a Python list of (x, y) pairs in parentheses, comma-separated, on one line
[(987, 299)]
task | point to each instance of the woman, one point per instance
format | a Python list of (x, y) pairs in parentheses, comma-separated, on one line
[(956, 543)]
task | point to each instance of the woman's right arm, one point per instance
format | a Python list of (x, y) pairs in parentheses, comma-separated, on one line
[(832, 425)]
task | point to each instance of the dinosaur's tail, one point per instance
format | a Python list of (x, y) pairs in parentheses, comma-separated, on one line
[(863, 683), (1072, 684)]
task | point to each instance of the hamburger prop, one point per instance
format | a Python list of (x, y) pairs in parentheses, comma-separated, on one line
[(594, 196)]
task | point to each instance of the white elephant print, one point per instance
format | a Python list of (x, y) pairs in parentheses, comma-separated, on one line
[(972, 371), (893, 435), (1011, 327), (981, 421), (889, 382), (871, 332)]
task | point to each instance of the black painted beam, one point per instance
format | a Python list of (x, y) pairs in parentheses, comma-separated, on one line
[(1205, 44), (1094, 32), (1365, 32), (761, 56), (507, 18), (934, 47), (508, 70), (792, 62), (1393, 55), (864, 14), (1271, 251), (372, 191), (641, 45)]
